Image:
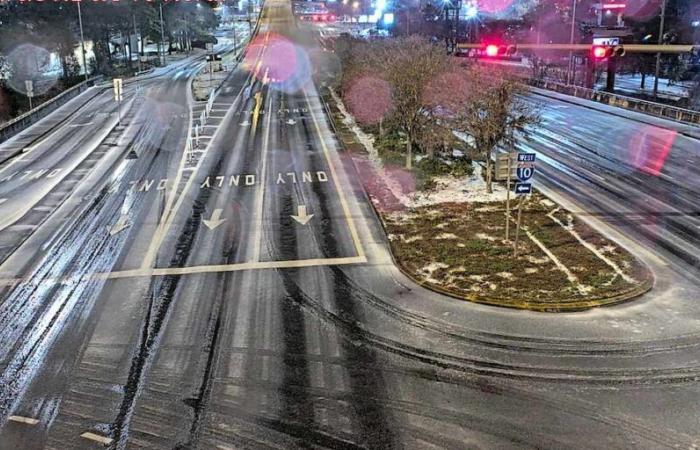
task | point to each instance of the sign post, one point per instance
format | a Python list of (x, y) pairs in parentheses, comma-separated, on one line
[(29, 85), (508, 177), (523, 187), (117, 82)]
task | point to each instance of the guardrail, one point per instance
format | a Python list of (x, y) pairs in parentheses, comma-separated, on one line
[(14, 126), (657, 109)]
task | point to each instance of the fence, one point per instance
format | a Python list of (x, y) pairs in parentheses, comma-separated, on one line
[(11, 128), (634, 104)]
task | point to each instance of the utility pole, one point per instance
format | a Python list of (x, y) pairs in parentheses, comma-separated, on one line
[(82, 41), (138, 55), (658, 55), (571, 41), (162, 35)]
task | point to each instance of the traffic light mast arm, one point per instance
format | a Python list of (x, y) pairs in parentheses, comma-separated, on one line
[(629, 48)]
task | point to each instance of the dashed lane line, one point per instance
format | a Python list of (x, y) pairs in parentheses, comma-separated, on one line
[(97, 438), (24, 420)]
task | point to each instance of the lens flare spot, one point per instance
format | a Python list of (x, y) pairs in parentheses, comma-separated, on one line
[(650, 148), (279, 61), (30, 63), (369, 99)]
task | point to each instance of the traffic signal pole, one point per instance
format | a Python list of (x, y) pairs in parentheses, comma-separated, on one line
[(610, 78), (658, 55)]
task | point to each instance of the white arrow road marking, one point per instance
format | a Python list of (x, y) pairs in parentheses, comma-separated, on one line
[(122, 224), (20, 419), (301, 216), (245, 124), (291, 122), (215, 220)]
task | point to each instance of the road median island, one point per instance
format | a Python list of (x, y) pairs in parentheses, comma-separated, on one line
[(451, 239)]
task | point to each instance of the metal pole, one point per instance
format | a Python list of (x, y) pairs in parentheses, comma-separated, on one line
[(138, 55), (517, 227), (508, 198), (658, 55), (82, 40), (235, 44), (571, 41), (162, 36), (30, 103)]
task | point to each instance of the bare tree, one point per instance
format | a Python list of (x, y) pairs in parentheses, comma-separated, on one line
[(491, 109), (409, 65)]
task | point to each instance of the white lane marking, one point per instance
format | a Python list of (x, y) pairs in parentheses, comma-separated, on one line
[(260, 194), (121, 225), (169, 212), (257, 265), (25, 420), (2, 200), (97, 438), (80, 124), (336, 181)]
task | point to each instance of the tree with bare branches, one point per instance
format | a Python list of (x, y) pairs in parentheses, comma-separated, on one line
[(491, 109)]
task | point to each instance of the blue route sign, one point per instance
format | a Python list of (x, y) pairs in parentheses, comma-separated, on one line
[(525, 172), (526, 157), (523, 188)]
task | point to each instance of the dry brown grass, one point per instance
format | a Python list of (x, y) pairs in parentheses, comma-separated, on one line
[(462, 251)]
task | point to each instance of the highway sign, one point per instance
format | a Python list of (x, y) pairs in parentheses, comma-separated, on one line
[(526, 157), (29, 86), (117, 82), (523, 188), (525, 171)]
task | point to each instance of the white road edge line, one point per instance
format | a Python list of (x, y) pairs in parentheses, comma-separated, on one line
[(260, 194)]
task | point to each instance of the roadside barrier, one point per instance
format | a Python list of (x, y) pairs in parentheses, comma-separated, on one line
[(16, 125), (634, 104)]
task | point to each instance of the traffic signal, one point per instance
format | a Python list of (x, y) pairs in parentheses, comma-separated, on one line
[(601, 52), (494, 50)]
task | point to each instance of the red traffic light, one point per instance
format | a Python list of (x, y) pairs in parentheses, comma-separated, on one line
[(492, 50), (599, 52)]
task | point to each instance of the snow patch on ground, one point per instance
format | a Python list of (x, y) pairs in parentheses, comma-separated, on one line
[(535, 260), (471, 189), (365, 139), (485, 237), (430, 269)]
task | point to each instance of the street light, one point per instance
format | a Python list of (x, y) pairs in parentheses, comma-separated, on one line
[(355, 5), (571, 42), (472, 11), (82, 41), (658, 54)]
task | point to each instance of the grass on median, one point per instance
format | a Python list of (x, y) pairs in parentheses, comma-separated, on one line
[(460, 248)]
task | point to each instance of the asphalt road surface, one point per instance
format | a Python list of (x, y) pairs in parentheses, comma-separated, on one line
[(241, 295)]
